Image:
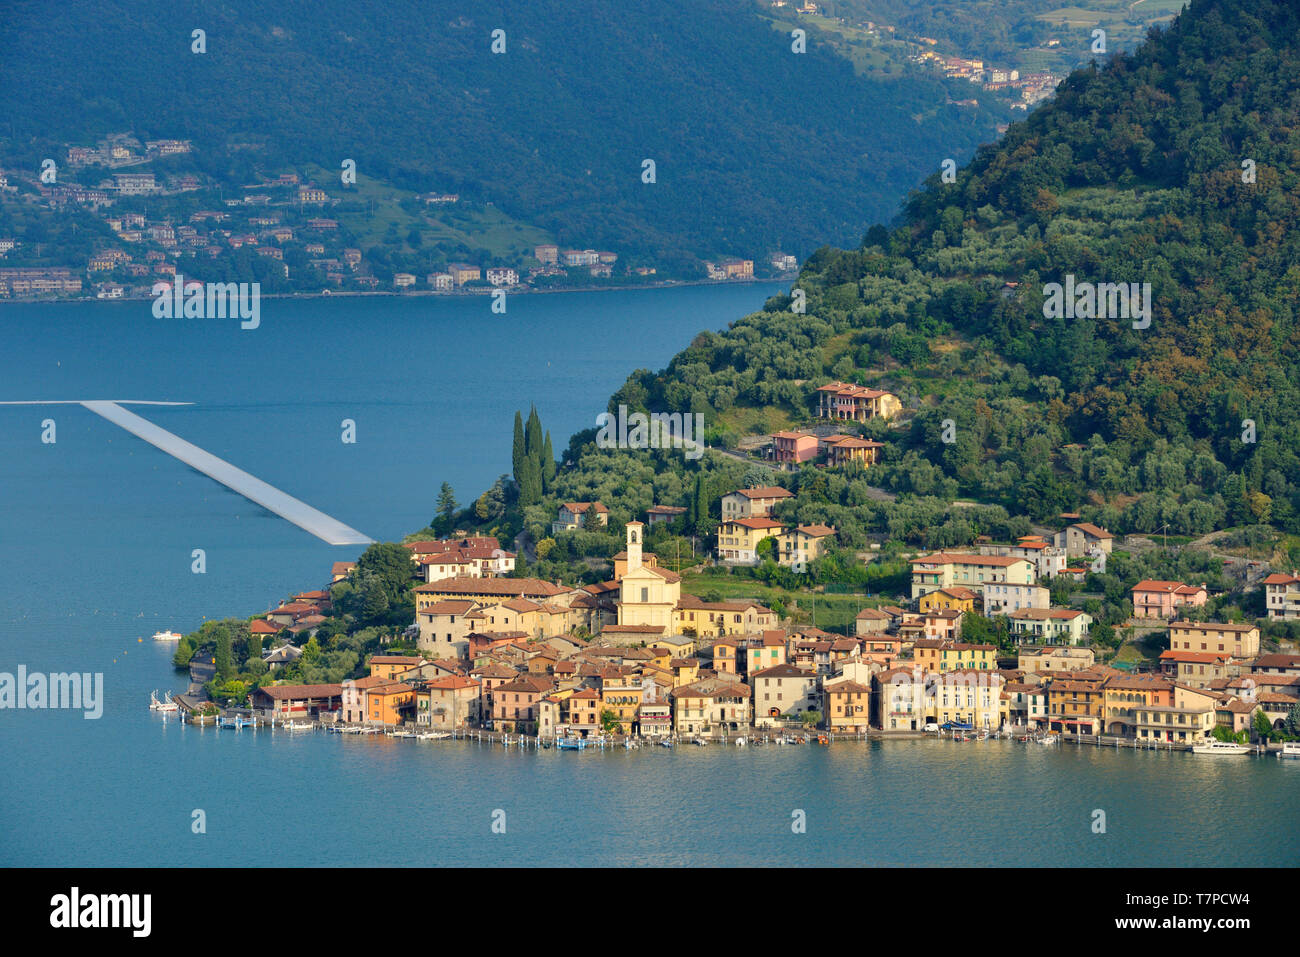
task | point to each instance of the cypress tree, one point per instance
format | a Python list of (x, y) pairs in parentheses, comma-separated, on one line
[(533, 437), (530, 482), (517, 452), (223, 659), (548, 465)]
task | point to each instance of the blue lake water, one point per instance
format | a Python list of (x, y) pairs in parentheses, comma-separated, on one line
[(96, 533)]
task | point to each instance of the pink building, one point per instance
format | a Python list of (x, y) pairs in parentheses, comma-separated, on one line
[(1157, 599), (793, 447)]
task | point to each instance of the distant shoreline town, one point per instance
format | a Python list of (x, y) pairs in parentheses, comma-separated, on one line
[(287, 232)]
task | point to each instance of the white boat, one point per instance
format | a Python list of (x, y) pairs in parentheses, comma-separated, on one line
[(1049, 739), (741, 742), (1290, 749), (166, 636), (433, 735), (1220, 747), (297, 726)]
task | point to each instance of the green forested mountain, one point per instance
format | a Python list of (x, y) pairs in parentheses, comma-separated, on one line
[(1138, 172), (757, 148)]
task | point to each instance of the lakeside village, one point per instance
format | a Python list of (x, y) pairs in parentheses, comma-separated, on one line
[(1026, 90), (636, 659), (149, 225)]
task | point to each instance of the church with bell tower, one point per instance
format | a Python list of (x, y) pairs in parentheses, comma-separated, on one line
[(647, 594)]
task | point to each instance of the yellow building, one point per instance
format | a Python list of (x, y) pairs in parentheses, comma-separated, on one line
[(844, 450), (939, 656), (721, 618), (738, 538), (955, 597), (847, 707), (621, 693)]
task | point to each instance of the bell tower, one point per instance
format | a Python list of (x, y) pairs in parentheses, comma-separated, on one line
[(634, 530)]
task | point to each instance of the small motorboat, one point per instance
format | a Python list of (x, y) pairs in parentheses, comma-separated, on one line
[(296, 726), (1220, 747), (666, 743), (433, 735), (741, 742), (1290, 749), (570, 744)]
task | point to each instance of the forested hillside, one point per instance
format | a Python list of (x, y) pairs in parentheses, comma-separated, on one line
[(756, 148), (1136, 173)]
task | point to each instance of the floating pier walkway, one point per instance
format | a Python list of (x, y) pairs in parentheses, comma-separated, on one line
[(329, 530)]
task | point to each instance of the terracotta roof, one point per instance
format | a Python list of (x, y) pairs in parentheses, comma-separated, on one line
[(1093, 530), (1041, 614), (764, 491), (1277, 661), (783, 671), (754, 523), (1212, 626), (965, 558), (1164, 587), (849, 687), (871, 614), (294, 692), (496, 587), (451, 683), (1194, 657), (816, 531), (451, 606)]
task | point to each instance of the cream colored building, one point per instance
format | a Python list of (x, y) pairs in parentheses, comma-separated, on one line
[(798, 547), (1052, 625), (752, 502), (711, 706), (782, 692), (971, 697), (943, 569), (1239, 641), (1048, 659), (1001, 598)]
